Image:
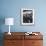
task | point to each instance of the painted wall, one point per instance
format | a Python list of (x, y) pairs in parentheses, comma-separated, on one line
[(11, 8)]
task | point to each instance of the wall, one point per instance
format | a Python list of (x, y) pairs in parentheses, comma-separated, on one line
[(11, 8)]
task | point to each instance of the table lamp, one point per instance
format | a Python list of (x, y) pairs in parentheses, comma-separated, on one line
[(9, 21)]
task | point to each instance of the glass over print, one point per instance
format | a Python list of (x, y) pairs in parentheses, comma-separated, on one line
[(27, 16)]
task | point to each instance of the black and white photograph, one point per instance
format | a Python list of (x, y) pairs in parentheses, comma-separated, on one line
[(27, 16)]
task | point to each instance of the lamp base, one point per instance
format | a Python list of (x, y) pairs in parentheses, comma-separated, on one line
[(9, 33)]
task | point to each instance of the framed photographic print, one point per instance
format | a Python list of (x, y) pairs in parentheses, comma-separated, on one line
[(27, 16)]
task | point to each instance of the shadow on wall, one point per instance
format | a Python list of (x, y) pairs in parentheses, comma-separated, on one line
[(2, 21)]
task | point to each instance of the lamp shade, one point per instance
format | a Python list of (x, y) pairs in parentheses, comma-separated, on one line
[(9, 21)]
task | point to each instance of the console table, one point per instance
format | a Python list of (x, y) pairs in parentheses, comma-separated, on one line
[(21, 39)]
